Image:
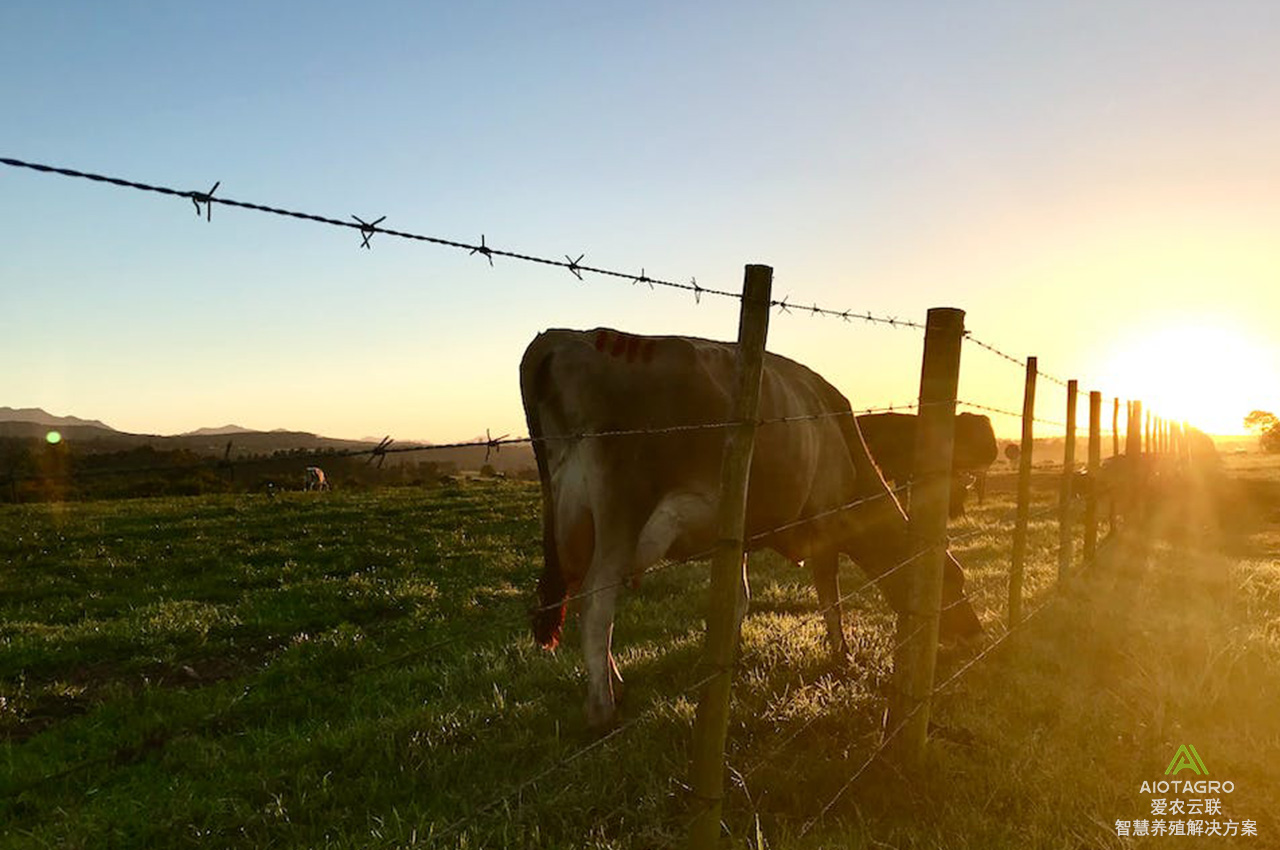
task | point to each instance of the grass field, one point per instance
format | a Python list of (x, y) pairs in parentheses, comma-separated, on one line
[(355, 670)]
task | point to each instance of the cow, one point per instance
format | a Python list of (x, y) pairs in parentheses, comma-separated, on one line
[(613, 506), (891, 439), (314, 479)]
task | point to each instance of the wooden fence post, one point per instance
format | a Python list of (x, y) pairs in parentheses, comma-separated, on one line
[(706, 772), (1115, 426), (1095, 465), (1133, 460), (1024, 494), (1133, 432), (1066, 529), (917, 640)]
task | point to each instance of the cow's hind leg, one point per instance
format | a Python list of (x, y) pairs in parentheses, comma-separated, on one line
[(610, 566), (826, 578)]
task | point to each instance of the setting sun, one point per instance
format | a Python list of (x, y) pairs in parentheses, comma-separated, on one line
[(1208, 375)]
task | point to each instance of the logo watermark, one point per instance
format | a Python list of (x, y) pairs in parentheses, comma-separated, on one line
[(1184, 814), (1186, 758)]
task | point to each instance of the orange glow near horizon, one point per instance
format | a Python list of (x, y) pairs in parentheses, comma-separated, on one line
[(1209, 376)]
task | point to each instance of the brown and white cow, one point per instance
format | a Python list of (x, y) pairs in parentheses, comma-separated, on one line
[(314, 479), (891, 439), (614, 506)]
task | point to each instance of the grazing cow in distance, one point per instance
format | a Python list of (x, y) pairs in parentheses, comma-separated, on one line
[(613, 506), (891, 439), (314, 479)]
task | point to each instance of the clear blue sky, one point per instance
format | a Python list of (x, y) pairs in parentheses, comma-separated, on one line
[(1095, 183)]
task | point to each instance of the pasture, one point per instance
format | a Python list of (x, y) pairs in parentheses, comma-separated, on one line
[(355, 670)]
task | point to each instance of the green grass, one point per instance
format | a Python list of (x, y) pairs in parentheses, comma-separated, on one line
[(355, 670)]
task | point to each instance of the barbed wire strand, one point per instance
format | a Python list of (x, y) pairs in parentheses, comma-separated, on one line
[(1020, 362), (1007, 412), (368, 229)]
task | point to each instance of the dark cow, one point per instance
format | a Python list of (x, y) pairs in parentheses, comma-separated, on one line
[(614, 506), (891, 439)]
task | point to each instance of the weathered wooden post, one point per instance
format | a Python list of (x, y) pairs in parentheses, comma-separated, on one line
[(1133, 462), (1133, 432), (917, 641), (1024, 494), (706, 772), (1115, 427), (1066, 529), (1095, 466)]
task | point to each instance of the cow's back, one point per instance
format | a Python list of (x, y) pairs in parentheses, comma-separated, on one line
[(577, 383)]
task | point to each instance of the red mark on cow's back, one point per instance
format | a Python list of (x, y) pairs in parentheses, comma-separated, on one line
[(625, 345)]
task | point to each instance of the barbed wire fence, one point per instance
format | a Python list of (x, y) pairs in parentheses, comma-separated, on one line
[(203, 202)]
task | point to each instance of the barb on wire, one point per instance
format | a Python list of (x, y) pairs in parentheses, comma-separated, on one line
[(368, 228), (380, 451), (484, 250), (492, 444), (575, 266), (206, 198)]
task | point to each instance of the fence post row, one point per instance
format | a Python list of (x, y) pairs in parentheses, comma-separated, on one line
[(1066, 538), (1024, 494), (915, 658), (1095, 465), (706, 772)]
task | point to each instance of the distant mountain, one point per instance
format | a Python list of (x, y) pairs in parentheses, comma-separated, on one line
[(217, 432), (93, 437), (40, 417)]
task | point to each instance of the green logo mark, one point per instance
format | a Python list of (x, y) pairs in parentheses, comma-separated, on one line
[(1187, 757)]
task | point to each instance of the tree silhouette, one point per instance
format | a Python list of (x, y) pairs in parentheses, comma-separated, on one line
[(1266, 425)]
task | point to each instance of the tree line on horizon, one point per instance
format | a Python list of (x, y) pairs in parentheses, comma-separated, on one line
[(36, 471)]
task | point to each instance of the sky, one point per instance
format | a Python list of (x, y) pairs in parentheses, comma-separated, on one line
[(1096, 184)]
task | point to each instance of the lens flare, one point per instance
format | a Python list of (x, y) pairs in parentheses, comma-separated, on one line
[(53, 438)]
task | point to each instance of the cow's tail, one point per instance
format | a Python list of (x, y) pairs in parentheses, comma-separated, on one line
[(548, 616)]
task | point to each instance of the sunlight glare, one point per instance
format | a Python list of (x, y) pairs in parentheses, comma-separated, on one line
[(1207, 375)]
